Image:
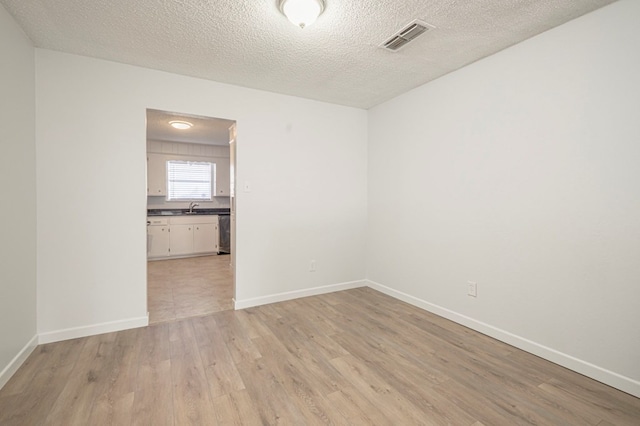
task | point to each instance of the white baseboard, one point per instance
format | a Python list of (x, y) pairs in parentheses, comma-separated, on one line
[(17, 361), (90, 330), (281, 297), (600, 374)]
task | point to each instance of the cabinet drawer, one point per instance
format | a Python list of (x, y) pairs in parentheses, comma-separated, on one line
[(155, 221)]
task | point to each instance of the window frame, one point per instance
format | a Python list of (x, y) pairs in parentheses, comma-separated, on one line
[(171, 190)]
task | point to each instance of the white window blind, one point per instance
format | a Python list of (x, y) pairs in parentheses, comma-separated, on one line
[(187, 180)]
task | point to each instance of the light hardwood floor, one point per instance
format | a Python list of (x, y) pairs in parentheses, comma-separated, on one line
[(356, 357), (183, 288)]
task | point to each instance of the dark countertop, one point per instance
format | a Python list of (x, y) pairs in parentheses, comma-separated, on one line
[(184, 212)]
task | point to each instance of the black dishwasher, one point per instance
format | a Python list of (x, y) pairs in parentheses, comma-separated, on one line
[(224, 231)]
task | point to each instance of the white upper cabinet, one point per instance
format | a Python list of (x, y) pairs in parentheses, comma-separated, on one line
[(156, 175), (222, 177)]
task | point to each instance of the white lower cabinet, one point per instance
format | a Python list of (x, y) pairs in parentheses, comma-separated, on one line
[(183, 236), (181, 241), (205, 237), (158, 241)]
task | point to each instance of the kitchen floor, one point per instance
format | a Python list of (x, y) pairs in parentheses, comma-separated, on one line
[(183, 288)]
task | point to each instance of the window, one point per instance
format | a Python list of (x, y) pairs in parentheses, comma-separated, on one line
[(187, 180)]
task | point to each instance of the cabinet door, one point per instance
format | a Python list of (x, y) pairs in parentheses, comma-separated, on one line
[(156, 174), (222, 177), (158, 241), (205, 238), (181, 239)]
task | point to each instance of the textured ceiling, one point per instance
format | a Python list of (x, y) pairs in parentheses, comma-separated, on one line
[(250, 43), (205, 130)]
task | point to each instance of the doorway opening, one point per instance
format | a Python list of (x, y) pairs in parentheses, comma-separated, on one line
[(190, 219)]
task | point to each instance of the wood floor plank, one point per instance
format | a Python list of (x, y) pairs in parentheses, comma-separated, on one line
[(306, 385), (320, 313), (191, 398), (155, 345), (271, 401), (115, 393), (302, 390), (388, 356), (305, 337), (356, 409), (281, 345), (403, 373), (35, 402), (477, 373), (44, 357), (455, 335), (596, 407), (403, 376), (252, 323), (153, 400), (75, 402), (379, 392), (237, 338), (112, 410), (415, 343), (226, 412), (220, 369), (245, 406), (478, 405), (606, 423)]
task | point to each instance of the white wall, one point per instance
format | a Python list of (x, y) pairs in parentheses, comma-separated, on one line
[(305, 162), (522, 172), (18, 208)]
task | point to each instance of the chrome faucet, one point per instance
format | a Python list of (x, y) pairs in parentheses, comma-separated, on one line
[(192, 205)]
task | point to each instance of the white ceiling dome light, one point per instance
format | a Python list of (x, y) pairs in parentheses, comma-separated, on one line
[(180, 125), (302, 12)]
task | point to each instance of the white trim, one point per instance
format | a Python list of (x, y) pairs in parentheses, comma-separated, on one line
[(17, 361), (618, 381), (281, 297), (91, 330)]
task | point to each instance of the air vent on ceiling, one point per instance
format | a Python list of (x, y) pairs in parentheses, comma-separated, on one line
[(405, 35)]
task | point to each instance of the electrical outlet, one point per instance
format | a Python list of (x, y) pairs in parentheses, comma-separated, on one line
[(312, 266), (472, 288)]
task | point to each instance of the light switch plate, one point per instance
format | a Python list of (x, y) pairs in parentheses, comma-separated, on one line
[(472, 288)]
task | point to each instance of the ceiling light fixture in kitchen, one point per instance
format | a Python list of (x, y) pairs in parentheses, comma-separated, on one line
[(180, 125), (302, 12)]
